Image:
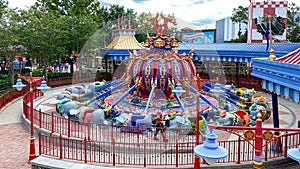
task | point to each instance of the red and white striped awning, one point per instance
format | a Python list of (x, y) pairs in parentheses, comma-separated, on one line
[(291, 58)]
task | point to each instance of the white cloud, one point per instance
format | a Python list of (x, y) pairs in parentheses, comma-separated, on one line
[(23, 4)]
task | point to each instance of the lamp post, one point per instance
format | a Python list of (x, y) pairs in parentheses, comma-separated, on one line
[(210, 150), (19, 85), (71, 63), (21, 59), (259, 135), (77, 68), (178, 90), (216, 91), (82, 57), (197, 160)]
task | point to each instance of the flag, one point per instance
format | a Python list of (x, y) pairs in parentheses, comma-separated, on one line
[(267, 37)]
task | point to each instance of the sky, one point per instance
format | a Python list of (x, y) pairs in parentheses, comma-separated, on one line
[(201, 14)]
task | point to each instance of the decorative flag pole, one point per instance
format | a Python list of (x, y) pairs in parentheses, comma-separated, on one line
[(272, 53)]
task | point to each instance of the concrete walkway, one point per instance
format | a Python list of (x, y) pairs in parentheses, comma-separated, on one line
[(14, 147)]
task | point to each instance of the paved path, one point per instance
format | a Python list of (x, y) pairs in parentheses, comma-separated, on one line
[(14, 147)]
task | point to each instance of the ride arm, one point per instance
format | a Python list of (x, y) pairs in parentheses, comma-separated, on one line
[(178, 99), (232, 101), (125, 95), (102, 87), (202, 97), (234, 95), (106, 93), (150, 96)]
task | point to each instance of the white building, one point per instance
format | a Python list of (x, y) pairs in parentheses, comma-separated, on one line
[(227, 30)]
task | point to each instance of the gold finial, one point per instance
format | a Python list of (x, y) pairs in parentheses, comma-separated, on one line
[(272, 52), (211, 121), (259, 116)]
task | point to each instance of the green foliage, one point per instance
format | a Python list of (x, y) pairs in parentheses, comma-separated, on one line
[(41, 73), (58, 74), (241, 39), (38, 73), (4, 79), (240, 15), (293, 27)]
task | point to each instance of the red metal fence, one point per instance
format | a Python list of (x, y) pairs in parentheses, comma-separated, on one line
[(122, 145), (11, 95)]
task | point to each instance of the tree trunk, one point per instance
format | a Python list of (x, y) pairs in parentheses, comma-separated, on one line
[(11, 71), (45, 65), (240, 32)]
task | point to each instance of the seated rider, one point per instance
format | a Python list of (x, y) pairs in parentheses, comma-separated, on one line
[(64, 109)]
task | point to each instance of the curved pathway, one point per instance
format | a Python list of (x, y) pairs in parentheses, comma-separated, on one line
[(14, 147)]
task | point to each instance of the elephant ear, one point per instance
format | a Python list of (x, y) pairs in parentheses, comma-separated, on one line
[(74, 111), (54, 101), (55, 93)]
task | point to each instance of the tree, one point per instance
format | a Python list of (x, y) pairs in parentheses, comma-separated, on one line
[(44, 35), (293, 26), (3, 6), (240, 15), (143, 29), (10, 45)]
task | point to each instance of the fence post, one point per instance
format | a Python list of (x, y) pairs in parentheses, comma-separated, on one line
[(266, 151), (60, 147), (177, 155), (239, 151), (52, 122), (114, 152), (69, 126), (89, 130), (40, 147), (40, 118), (85, 155), (138, 136), (285, 145), (144, 153)]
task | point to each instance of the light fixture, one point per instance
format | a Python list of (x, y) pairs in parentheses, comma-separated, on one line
[(210, 150), (43, 86), (178, 90), (19, 85)]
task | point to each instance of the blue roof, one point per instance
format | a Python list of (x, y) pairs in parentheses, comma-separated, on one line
[(240, 52), (258, 47)]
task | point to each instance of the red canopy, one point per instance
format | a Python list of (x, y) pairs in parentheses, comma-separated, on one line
[(291, 58)]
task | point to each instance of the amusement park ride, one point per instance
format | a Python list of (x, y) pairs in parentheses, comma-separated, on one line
[(160, 80)]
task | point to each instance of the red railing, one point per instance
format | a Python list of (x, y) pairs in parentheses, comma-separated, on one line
[(122, 145), (11, 95)]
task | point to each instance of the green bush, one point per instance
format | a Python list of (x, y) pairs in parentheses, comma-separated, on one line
[(5, 78), (58, 74), (38, 73)]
